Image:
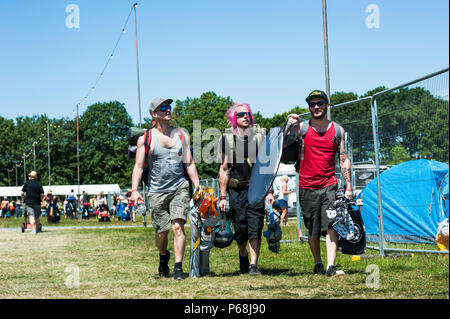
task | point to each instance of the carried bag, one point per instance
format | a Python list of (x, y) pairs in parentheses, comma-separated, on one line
[(223, 231), (273, 233), (348, 224)]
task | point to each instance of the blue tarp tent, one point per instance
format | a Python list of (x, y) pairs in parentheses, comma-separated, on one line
[(444, 193), (413, 201)]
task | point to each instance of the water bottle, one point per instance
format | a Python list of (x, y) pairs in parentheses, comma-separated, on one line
[(142, 209)]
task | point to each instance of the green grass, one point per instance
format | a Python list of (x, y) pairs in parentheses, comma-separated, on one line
[(123, 263)]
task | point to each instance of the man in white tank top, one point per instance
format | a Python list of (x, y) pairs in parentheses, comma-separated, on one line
[(169, 190)]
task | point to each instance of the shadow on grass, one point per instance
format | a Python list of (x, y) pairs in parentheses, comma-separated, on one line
[(271, 272)]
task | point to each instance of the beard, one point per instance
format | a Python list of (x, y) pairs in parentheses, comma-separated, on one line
[(321, 116)]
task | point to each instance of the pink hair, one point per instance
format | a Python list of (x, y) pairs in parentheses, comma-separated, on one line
[(231, 115)]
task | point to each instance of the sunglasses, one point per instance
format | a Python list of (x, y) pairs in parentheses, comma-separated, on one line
[(165, 108), (320, 103), (242, 114)]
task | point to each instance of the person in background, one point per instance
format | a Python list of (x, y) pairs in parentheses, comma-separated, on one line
[(283, 199), (85, 203), (115, 201), (4, 207), (32, 195), (72, 200), (19, 208)]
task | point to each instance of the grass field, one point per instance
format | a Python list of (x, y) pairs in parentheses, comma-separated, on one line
[(123, 263)]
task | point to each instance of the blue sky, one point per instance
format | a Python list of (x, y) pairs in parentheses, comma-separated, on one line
[(264, 52)]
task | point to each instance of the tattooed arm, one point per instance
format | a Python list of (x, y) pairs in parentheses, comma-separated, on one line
[(345, 165)]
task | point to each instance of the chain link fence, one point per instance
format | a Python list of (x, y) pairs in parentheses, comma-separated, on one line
[(393, 126)]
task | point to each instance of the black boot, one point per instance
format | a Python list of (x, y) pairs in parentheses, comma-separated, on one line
[(244, 264), (178, 271), (163, 268)]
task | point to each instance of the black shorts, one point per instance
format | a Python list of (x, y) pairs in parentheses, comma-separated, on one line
[(248, 221), (313, 203)]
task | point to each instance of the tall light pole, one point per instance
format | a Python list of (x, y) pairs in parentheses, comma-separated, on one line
[(34, 156), (139, 90), (24, 169), (325, 44), (48, 150), (78, 150), (137, 65)]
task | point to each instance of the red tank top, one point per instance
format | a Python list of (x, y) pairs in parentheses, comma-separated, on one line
[(317, 167)]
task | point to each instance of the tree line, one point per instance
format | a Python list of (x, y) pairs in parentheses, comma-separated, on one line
[(413, 124)]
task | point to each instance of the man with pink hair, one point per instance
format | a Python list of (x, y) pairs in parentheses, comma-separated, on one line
[(239, 150)]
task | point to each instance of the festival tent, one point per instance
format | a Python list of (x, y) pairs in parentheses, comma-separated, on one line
[(413, 201), (444, 193), (288, 170)]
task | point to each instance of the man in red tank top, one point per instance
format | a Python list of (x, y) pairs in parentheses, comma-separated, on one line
[(317, 178)]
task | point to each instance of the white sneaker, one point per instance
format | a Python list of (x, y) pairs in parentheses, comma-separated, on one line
[(33, 232)]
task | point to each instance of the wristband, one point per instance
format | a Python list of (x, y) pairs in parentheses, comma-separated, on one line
[(223, 197)]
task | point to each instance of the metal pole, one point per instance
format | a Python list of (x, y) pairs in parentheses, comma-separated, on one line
[(325, 44), (137, 64), (15, 165), (78, 151), (377, 171), (138, 80), (34, 157), (297, 206), (48, 150), (24, 170)]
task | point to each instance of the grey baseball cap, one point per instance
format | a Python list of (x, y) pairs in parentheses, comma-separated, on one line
[(157, 102)]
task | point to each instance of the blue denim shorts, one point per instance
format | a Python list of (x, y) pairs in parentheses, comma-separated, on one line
[(282, 203)]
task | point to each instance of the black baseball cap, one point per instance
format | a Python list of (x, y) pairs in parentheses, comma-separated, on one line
[(317, 94)]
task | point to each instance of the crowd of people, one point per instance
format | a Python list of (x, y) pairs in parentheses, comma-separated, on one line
[(70, 207), (11, 208)]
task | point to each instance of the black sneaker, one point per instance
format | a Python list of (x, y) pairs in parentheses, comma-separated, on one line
[(244, 264), (253, 270), (332, 271), (318, 269), (163, 268), (178, 274)]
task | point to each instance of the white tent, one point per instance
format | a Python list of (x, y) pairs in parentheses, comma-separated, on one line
[(289, 170), (286, 169), (15, 191)]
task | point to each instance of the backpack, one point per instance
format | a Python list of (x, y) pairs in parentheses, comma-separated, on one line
[(229, 140), (133, 135), (296, 149)]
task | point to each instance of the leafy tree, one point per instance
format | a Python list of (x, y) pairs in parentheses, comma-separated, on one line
[(210, 109), (103, 145), (412, 124), (398, 154), (341, 97)]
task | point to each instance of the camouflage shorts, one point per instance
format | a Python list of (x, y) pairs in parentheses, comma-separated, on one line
[(168, 206)]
